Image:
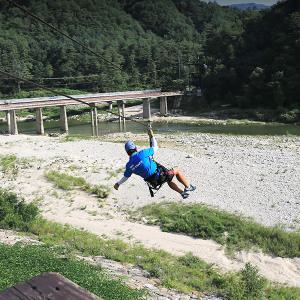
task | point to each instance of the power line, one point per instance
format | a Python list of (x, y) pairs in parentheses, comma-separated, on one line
[(68, 77), (60, 78), (66, 84), (43, 87), (127, 118), (62, 33), (72, 39), (76, 41)]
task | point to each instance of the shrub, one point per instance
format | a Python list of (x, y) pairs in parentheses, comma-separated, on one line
[(254, 284), (15, 213), (101, 191), (246, 285)]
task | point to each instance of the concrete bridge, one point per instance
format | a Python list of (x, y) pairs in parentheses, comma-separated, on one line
[(11, 106)]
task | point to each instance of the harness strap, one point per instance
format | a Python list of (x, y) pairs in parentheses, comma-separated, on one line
[(151, 186)]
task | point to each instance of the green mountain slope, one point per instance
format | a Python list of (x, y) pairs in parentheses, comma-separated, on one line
[(252, 57)]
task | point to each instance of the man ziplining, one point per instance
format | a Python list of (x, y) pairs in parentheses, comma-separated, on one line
[(142, 164)]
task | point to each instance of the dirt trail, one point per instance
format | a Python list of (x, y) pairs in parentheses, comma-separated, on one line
[(227, 171), (282, 270)]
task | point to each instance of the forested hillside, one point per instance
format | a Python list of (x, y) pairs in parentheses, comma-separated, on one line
[(251, 58)]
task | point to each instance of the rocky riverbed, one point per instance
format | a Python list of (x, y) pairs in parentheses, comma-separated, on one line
[(256, 177)]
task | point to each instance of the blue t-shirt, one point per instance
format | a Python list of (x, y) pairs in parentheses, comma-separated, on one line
[(141, 163)]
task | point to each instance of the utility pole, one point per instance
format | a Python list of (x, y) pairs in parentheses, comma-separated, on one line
[(199, 73), (189, 75), (179, 65)]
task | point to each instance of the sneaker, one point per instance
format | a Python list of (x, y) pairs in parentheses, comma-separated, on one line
[(184, 195), (191, 188)]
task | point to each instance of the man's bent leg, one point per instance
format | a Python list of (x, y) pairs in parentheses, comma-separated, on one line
[(180, 177), (175, 187)]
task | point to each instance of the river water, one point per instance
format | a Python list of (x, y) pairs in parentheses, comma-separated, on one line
[(84, 128)]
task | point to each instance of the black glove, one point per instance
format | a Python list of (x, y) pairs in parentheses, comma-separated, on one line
[(150, 133)]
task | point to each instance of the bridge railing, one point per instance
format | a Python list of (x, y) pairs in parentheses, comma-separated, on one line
[(83, 96)]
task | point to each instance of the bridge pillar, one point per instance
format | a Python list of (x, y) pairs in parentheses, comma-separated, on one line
[(64, 127), (121, 112), (110, 106), (177, 101), (146, 109), (8, 121), (39, 122), (96, 120), (92, 122), (13, 122), (163, 106)]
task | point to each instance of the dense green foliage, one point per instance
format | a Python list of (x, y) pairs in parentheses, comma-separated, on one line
[(14, 213), (203, 222), (268, 58), (252, 57), (20, 263)]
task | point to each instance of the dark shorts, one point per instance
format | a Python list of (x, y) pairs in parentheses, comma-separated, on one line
[(168, 175), (165, 175)]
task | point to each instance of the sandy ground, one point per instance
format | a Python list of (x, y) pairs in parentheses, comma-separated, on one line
[(10, 237), (254, 176)]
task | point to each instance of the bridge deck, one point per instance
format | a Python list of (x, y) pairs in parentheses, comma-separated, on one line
[(15, 104)]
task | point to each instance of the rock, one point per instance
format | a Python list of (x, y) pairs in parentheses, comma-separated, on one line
[(151, 287), (53, 134), (144, 220)]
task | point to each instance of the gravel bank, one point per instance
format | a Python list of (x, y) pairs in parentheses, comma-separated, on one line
[(257, 177)]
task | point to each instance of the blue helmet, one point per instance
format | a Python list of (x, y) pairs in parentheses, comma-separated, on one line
[(130, 146)]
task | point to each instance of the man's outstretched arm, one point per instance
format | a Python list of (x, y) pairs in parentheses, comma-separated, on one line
[(127, 174), (121, 181)]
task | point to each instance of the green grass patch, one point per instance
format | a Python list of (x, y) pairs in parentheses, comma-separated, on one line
[(186, 273), (225, 228), (20, 263), (10, 164), (69, 182)]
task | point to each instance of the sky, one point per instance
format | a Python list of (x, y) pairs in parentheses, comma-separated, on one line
[(228, 2)]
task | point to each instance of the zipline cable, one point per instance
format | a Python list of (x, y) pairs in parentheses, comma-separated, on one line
[(59, 78), (44, 87), (64, 34), (128, 119), (26, 11)]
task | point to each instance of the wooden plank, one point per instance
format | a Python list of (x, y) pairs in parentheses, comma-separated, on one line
[(27, 292), (50, 286), (12, 294)]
